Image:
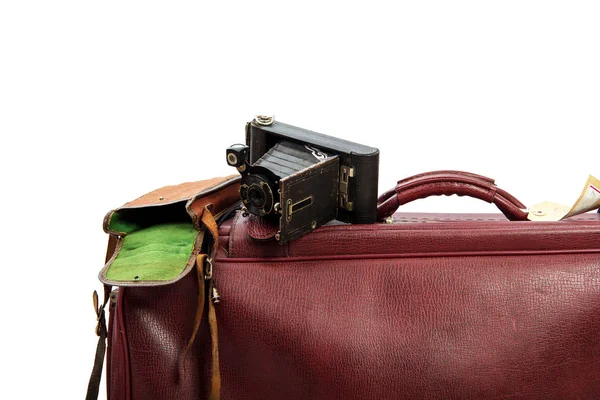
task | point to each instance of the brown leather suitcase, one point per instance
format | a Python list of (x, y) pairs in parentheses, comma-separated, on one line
[(419, 306)]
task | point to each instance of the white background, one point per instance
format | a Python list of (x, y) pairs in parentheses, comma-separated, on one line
[(103, 101)]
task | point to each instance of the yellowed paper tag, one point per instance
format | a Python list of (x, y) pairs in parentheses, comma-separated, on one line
[(547, 211), (588, 200)]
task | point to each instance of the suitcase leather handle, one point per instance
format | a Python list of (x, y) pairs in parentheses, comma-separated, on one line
[(449, 183)]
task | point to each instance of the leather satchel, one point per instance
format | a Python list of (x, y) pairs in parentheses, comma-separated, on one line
[(418, 306)]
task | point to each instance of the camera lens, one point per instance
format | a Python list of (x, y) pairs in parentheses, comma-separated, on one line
[(256, 196)]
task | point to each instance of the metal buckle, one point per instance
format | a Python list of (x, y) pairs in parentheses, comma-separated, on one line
[(208, 269)]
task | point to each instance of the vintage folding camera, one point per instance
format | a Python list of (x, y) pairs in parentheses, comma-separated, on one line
[(298, 180)]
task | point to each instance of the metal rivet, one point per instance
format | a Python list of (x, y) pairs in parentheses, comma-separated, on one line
[(314, 224), (539, 212), (389, 220), (161, 198), (136, 278)]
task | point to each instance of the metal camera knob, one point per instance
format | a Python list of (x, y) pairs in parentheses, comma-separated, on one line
[(264, 120)]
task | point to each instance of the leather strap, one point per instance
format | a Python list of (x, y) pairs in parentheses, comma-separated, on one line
[(101, 330), (415, 178), (215, 392), (206, 281), (449, 183), (200, 261), (211, 225), (261, 228)]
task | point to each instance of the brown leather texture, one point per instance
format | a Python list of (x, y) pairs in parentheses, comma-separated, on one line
[(217, 194), (433, 306), (175, 193), (217, 201)]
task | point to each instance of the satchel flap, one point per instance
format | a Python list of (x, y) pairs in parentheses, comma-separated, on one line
[(160, 233)]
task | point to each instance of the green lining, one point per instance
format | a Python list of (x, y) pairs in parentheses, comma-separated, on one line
[(120, 224), (128, 220), (154, 253)]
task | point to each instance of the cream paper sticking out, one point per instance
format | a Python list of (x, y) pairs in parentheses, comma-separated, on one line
[(588, 200)]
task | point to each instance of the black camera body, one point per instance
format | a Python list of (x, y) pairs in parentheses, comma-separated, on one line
[(298, 179)]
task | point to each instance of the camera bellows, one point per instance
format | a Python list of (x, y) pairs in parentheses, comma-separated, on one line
[(259, 190), (287, 158)]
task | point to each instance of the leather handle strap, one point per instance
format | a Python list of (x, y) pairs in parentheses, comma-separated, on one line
[(101, 330), (425, 175), (447, 183)]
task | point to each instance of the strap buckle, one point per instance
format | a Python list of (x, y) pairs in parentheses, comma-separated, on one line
[(208, 269), (99, 310)]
